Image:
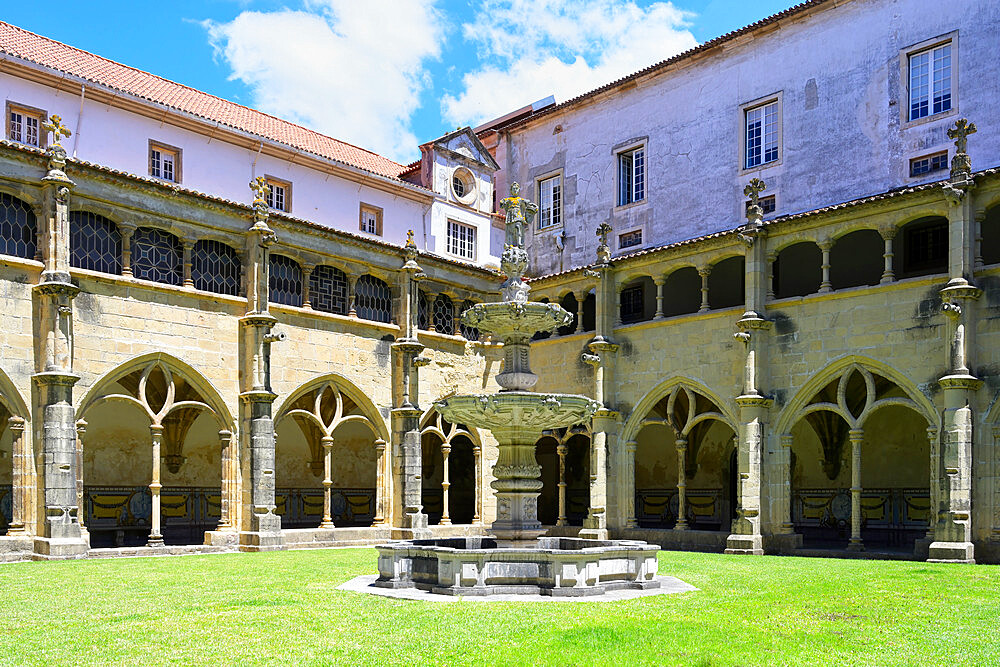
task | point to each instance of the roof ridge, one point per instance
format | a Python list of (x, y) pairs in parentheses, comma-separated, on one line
[(6, 49)]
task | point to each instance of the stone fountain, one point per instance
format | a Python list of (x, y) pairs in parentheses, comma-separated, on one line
[(515, 558)]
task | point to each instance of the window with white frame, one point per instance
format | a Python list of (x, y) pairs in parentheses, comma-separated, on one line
[(461, 240), (24, 124), (371, 219), (550, 202), (631, 176), (164, 162), (930, 81), (278, 194), (761, 134)]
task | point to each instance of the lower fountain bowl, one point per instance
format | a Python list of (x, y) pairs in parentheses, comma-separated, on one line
[(554, 566)]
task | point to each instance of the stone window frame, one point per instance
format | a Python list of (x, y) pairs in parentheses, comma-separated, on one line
[(775, 97), (470, 184), (165, 148), (926, 156), (41, 114), (631, 146), (904, 79), (370, 208), (448, 240), (556, 173), (274, 181)]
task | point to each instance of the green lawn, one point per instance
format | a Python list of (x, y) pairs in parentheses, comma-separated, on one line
[(283, 607)]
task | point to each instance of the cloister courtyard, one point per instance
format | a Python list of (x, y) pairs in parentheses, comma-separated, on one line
[(284, 607)]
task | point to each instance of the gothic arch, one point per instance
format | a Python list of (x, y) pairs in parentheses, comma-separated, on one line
[(349, 389), (842, 369), (451, 483), (637, 419), (11, 399), (211, 398), (26, 195)]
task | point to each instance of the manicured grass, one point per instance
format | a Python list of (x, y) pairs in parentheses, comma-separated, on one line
[(284, 608)]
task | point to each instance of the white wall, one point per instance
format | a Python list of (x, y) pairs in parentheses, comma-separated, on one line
[(843, 92)]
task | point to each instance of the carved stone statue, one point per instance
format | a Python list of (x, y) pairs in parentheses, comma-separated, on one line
[(520, 212)]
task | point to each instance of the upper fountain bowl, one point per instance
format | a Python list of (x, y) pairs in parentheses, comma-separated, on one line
[(511, 319)]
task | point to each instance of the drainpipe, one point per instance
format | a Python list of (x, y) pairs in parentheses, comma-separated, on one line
[(79, 119)]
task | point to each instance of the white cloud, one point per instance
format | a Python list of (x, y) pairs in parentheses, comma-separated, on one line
[(530, 49), (337, 66)]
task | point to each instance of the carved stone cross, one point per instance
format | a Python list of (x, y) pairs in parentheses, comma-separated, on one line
[(259, 188), (55, 126), (409, 237), (603, 230), (753, 190), (960, 133)]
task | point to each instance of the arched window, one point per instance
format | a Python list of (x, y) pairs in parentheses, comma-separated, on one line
[(444, 315), (798, 270), (569, 304), (373, 299), (285, 282), (470, 333), (921, 247), (328, 290), (95, 243), (215, 267), (726, 283), (856, 259), (18, 229), (156, 255), (590, 311)]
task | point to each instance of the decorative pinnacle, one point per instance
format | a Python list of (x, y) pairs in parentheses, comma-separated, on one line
[(409, 239), (55, 126), (603, 230), (960, 133), (260, 212), (754, 211)]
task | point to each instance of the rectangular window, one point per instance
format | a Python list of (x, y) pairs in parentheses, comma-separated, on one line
[(632, 304), (761, 136), (371, 219), (24, 124), (630, 239), (461, 240), (631, 176), (279, 194), (550, 202), (931, 163), (767, 204), (164, 161), (930, 81)]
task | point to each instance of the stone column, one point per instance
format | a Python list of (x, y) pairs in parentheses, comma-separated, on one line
[(659, 282), (995, 535), (226, 502), (20, 495), (769, 278), (580, 298), (155, 533), (682, 522), (888, 233), (126, 230), (187, 246), (933, 488), (307, 270), (352, 284), (786, 527), (477, 454), (856, 436), (379, 518), (445, 484), (618, 305), (561, 451), (327, 443), (980, 218), (260, 526), (825, 246), (81, 429), (58, 533), (704, 272), (630, 449), (604, 432), (754, 406)]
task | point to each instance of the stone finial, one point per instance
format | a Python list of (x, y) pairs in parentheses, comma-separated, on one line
[(961, 164), (753, 190), (409, 239), (260, 211), (54, 126), (603, 249)]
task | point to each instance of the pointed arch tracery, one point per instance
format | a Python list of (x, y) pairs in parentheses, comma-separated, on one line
[(458, 450)]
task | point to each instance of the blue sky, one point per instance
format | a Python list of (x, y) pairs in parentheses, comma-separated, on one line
[(389, 74)]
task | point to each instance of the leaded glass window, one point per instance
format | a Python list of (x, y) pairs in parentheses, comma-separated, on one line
[(423, 311), (373, 299), (216, 267), (470, 333), (444, 315), (328, 290), (18, 229), (95, 243), (157, 255), (285, 283)]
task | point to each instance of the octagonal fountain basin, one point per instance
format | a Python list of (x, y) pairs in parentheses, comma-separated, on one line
[(555, 566)]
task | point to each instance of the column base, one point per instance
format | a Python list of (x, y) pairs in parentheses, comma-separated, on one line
[(594, 534), (951, 552), (221, 538), (412, 533), (855, 545), (744, 545), (54, 548), (155, 541), (262, 541)]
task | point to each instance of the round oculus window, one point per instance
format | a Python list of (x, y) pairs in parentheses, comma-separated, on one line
[(463, 184)]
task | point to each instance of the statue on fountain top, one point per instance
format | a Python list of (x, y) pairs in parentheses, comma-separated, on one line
[(520, 212)]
